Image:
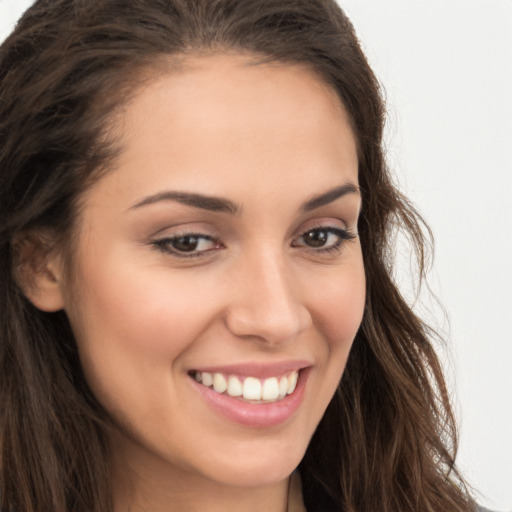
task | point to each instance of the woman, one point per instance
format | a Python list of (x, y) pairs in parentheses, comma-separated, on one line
[(197, 299)]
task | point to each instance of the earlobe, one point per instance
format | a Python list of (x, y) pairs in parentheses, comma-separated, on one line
[(39, 271)]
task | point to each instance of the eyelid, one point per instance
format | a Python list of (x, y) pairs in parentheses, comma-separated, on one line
[(343, 235), (170, 228), (323, 223), (168, 240), (164, 244)]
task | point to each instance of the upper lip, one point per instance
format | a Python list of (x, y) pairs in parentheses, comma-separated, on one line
[(257, 369)]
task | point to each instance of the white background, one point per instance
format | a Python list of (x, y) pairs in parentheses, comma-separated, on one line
[(446, 69), (446, 66)]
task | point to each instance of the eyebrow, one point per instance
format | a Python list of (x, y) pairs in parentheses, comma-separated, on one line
[(204, 202), (329, 196), (219, 204)]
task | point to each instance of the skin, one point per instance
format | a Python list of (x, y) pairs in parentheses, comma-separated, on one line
[(267, 137)]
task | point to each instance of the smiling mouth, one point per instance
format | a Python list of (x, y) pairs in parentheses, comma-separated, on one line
[(250, 389)]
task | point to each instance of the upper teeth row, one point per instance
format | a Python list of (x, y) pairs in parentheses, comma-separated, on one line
[(251, 388)]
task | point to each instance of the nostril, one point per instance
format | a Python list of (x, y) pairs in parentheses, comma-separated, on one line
[(271, 325)]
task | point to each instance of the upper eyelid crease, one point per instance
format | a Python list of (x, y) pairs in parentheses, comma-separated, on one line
[(344, 235)]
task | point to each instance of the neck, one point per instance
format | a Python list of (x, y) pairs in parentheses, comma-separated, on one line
[(143, 483)]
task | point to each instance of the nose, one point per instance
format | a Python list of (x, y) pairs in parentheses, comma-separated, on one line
[(265, 303)]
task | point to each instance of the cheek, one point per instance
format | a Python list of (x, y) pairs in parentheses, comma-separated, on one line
[(338, 308), (133, 306), (129, 325), (339, 304)]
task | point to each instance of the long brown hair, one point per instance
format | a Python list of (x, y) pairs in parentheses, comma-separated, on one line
[(387, 441)]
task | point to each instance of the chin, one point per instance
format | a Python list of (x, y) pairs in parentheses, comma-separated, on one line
[(259, 473), (258, 465)]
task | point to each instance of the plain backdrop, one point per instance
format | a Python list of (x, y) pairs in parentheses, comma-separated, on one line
[(446, 67)]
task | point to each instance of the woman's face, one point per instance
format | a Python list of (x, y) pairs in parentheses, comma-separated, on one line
[(221, 247)]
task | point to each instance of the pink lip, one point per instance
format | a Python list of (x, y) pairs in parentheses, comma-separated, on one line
[(254, 415), (258, 370)]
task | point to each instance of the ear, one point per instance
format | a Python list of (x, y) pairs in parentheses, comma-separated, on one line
[(39, 270)]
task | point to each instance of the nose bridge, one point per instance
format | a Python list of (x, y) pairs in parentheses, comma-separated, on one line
[(266, 304)]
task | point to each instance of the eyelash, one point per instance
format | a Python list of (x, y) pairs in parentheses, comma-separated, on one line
[(166, 244), (343, 235)]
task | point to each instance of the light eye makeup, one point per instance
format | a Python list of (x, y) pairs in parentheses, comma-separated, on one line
[(317, 239), (187, 244), (324, 239)]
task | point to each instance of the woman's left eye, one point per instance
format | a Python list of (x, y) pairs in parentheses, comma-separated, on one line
[(323, 238), (187, 245)]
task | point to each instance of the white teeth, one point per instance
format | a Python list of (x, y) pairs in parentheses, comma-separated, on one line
[(270, 389), (219, 383), (234, 386), (207, 379), (252, 389), (283, 387), (292, 381)]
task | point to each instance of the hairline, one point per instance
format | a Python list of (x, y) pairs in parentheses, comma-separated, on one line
[(140, 77)]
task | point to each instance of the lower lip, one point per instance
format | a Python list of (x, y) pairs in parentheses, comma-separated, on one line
[(255, 415)]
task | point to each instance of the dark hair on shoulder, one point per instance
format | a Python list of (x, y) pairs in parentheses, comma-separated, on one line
[(387, 441)]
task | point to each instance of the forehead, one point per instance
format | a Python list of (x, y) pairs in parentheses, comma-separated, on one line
[(223, 120)]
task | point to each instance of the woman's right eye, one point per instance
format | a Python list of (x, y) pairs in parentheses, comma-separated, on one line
[(187, 245)]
